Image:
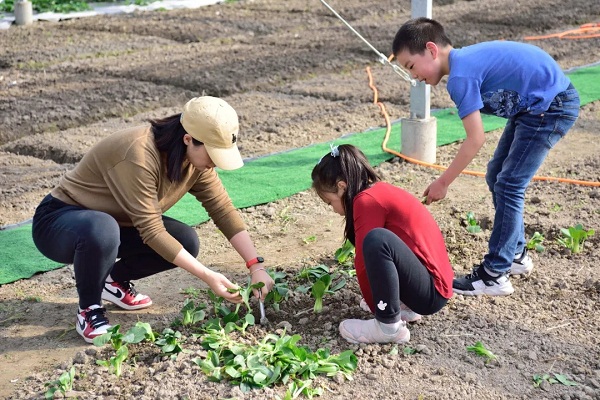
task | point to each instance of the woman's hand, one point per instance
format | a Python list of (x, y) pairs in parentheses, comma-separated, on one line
[(260, 275), (219, 284)]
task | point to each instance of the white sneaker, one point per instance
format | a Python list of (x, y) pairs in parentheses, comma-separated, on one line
[(480, 282), (369, 331), (522, 265), (406, 314)]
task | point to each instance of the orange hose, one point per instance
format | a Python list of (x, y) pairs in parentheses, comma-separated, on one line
[(388, 130), (585, 31)]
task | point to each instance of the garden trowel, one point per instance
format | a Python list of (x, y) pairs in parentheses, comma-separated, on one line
[(263, 318)]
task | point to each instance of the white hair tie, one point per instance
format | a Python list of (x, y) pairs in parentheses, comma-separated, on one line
[(335, 152)]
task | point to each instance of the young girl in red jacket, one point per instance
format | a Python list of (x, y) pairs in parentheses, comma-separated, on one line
[(401, 261)]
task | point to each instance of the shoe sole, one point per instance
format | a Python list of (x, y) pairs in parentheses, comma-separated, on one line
[(87, 339), (403, 339), (412, 319), (521, 270), (489, 292), (120, 304)]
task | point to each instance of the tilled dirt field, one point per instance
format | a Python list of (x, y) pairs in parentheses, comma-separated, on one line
[(296, 76)]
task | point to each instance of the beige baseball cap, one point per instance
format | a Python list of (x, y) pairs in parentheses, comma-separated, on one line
[(214, 122)]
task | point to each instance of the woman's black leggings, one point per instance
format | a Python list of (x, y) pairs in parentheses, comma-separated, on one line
[(396, 275), (93, 240)]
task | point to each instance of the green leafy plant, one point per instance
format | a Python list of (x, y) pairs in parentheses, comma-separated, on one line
[(141, 331), (191, 314), (276, 358), (63, 384), (574, 237), (535, 243), (312, 274), (345, 254), (115, 363), (318, 290), (169, 342), (552, 379), (322, 287), (472, 223), (479, 349), (280, 291)]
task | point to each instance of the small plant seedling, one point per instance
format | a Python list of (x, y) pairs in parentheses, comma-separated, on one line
[(280, 290), (313, 273), (115, 363), (192, 292), (322, 287), (286, 218), (574, 237), (472, 223), (169, 342), (310, 239), (345, 254), (191, 313), (318, 290), (63, 384), (535, 243), (141, 331), (479, 349), (552, 379)]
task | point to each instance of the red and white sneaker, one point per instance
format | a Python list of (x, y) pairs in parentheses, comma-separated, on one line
[(124, 295), (92, 322)]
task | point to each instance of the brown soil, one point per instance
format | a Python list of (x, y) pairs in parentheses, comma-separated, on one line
[(296, 76)]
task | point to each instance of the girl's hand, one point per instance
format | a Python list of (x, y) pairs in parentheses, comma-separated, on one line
[(219, 284), (260, 275)]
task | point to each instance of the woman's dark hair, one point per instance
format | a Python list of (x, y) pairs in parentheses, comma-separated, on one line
[(350, 166), (168, 136)]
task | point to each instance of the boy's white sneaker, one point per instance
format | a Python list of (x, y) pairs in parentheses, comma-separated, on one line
[(522, 264), (480, 282)]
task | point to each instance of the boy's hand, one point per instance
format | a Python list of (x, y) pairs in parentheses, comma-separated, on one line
[(436, 191)]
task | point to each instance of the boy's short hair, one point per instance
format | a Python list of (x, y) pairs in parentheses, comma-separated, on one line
[(415, 33)]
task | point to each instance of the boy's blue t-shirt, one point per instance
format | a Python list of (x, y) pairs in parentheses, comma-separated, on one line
[(503, 78)]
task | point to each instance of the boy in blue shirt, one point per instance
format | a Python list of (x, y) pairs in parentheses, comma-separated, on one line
[(516, 81)]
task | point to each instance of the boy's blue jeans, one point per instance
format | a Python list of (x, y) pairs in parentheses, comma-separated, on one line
[(522, 148)]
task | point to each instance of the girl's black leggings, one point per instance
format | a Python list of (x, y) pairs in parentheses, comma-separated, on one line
[(396, 275), (93, 240)]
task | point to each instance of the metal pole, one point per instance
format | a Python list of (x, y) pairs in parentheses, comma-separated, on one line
[(420, 95), (419, 132)]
